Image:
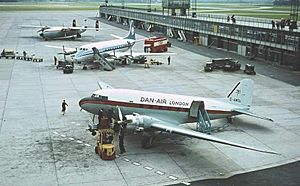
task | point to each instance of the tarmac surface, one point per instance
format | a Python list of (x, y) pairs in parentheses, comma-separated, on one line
[(40, 146)]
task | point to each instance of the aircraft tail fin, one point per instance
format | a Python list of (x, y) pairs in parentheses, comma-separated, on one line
[(131, 33), (242, 93)]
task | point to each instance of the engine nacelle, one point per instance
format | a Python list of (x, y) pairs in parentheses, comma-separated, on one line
[(139, 121)]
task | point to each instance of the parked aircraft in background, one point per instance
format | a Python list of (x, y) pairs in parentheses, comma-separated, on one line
[(151, 111), (116, 48), (56, 32)]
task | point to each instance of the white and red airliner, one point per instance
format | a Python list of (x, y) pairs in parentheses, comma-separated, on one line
[(153, 111)]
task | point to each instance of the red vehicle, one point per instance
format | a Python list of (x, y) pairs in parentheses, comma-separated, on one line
[(157, 44)]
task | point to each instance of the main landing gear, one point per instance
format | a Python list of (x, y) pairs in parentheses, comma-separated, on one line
[(229, 120), (147, 142)]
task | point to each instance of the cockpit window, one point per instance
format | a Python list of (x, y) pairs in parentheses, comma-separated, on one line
[(103, 98)]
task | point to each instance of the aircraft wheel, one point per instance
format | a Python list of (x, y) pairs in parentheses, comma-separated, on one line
[(147, 142), (230, 120)]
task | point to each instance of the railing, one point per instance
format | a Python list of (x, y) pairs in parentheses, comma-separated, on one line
[(255, 30)]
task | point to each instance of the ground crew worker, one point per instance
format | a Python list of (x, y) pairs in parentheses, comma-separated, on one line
[(55, 60), (63, 107), (121, 138), (110, 114), (97, 25), (3, 53), (74, 23), (24, 54), (169, 60), (100, 116)]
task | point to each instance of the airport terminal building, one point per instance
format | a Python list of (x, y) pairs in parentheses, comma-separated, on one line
[(249, 37)]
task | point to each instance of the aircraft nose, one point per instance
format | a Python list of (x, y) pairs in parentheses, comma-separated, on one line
[(42, 34), (83, 102)]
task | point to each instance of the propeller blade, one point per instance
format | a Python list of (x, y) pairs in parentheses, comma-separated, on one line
[(120, 114)]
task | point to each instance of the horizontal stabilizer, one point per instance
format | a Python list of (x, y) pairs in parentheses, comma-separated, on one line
[(115, 36), (65, 49), (246, 112)]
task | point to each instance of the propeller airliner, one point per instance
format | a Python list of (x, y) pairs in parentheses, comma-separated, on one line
[(116, 48), (151, 111), (64, 32)]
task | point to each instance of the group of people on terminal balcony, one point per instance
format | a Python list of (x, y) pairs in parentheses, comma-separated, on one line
[(232, 19), (282, 23)]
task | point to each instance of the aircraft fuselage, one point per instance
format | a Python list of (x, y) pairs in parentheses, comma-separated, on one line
[(53, 33), (172, 108), (86, 53)]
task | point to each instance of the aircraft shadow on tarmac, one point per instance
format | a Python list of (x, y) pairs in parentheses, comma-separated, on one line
[(251, 125)]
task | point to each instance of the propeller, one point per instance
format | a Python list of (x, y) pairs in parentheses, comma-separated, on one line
[(120, 115), (65, 52), (130, 119)]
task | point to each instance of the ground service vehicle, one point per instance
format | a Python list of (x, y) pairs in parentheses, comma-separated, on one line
[(105, 147), (156, 44), (68, 69), (62, 64), (139, 59), (8, 54), (227, 64), (249, 69)]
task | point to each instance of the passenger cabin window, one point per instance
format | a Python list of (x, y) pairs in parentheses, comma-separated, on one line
[(97, 96)]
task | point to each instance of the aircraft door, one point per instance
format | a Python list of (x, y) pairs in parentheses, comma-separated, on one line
[(195, 107), (197, 110)]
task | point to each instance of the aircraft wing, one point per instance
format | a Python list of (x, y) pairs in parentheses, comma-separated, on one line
[(66, 50), (31, 26), (249, 113), (166, 127), (78, 28)]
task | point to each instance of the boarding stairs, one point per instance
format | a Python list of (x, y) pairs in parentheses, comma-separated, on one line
[(197, 111), (181, 35), (102, 61), (149, 28), (170, 32)]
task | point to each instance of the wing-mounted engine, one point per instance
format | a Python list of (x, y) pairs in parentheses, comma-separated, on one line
[(141, 122)]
